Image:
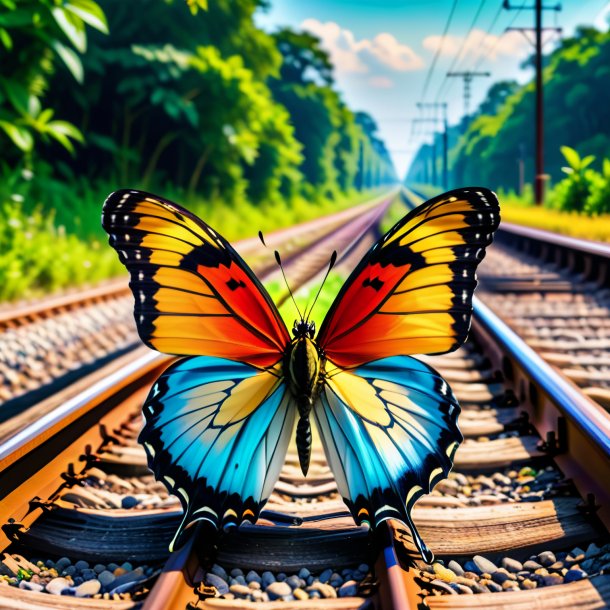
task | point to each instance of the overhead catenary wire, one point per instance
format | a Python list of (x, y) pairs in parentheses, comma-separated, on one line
[(448, 81), (489, 53), (438, 51), (460, 54)]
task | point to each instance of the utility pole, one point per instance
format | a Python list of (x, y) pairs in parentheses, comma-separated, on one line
[(467, 77), (538, 7), (443, 106)]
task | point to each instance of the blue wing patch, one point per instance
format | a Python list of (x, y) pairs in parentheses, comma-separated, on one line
[(389, 430), (216, 434)]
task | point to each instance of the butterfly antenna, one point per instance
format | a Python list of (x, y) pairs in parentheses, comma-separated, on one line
[(260, 236), (331, 264), (279, 262)]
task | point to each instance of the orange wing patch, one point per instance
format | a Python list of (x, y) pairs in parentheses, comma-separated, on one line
[(194, 295), (412, 293)]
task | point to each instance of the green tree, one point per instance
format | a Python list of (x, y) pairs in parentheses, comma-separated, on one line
[(34, 35)]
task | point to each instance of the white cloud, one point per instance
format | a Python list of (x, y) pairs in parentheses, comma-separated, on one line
[(383, 52), (480, 43), (381, 82)]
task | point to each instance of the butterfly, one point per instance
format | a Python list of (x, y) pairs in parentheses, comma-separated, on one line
[(218, 421)]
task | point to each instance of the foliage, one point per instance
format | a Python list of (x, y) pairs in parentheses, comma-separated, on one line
[(34, 34), (181, 97), (501, 133), (572, 192), (598, 201)]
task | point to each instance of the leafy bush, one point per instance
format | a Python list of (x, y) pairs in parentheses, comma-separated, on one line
[(571, 193), (598, 201)]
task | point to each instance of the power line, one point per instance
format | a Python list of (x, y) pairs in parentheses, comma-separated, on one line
[(489, 29), (438, 51), (489, 53), (459, 54)]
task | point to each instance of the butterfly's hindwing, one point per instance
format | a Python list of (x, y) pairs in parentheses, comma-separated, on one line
[(216, 434), (389, 430)]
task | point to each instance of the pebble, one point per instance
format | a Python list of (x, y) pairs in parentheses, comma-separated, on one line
[(531, 565), (294, 582), (300, 594), (88, 588), (57, 585), (444, 573), (325, 576), (494, 587), (129, 502), (252, 576), (592, 550), (484, 565), (278, 589), (235, 572), (326, 590), (30, 586), (240, 590), (213, 580), (463, 589), (529, 584), (439, 584), (547, 558), (348, 589), (573, 575), (456, 568), (220, 572), (99, 568), (552, 579), (304, 573), (81, 565), (471, 566), (62, 563), (106, 578), (512, 565), (254, 585), (267, 578), (499, 577)]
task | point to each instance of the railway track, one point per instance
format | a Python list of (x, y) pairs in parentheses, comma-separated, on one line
[(520, 522)]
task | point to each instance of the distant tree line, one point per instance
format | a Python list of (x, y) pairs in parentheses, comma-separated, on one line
[(495, 147), (146, 93)]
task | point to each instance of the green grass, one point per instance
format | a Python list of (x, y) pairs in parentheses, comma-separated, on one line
[(521, 210), (51, 237)]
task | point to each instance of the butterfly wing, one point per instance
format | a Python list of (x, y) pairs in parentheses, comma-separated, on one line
[(194, 294), (412, 292), (389, 430), (216, 434)]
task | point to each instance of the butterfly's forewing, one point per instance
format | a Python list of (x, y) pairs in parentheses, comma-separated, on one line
[(389, 430), (216, 434), (194, 295), (412, 292)]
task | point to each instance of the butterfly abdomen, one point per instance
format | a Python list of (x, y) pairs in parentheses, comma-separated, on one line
[(303, 364)]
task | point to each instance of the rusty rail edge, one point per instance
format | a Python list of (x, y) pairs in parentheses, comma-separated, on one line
[(586, 246), (585, 413), (16, 446)]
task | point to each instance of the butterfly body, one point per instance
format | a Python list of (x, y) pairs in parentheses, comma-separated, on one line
[(219, 420), (304, 364)]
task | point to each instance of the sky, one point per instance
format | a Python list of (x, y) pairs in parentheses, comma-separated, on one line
[(390, 55)]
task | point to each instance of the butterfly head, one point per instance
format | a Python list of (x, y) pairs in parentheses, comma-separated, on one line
[(303, 328)]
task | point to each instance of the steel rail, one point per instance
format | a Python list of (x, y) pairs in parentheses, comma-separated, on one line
[(586, 246)]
